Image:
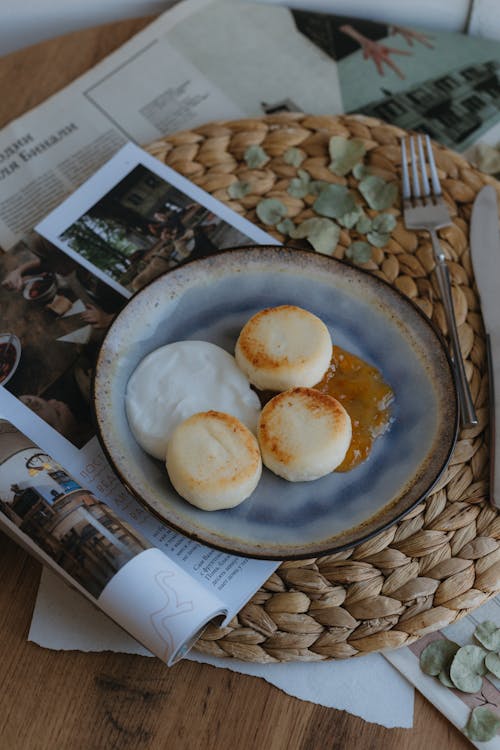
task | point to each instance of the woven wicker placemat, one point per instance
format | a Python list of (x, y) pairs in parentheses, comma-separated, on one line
[(443, 559)]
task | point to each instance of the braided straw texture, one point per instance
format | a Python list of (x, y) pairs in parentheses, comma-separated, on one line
[(443, 559)]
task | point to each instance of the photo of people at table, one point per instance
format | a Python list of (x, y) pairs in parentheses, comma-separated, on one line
[(145, 226), (54, 315)]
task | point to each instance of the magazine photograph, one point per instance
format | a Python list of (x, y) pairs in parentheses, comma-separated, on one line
[(147, 220)]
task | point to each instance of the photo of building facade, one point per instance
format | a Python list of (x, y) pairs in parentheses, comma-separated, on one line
[(451, 109), (81, 534)]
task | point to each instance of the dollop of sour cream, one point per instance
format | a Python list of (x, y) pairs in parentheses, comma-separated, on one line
[(181, 379)]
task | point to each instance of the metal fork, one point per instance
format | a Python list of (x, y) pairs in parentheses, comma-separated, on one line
[(425, 208)]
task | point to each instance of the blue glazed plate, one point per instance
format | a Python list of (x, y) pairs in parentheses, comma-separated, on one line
[(210, 299)]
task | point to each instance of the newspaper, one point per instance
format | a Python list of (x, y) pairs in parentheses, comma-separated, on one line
[(202, 60), (58, 496), (279, 58), (206, 60)]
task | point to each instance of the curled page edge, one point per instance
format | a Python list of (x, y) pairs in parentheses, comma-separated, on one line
[(66, 528)]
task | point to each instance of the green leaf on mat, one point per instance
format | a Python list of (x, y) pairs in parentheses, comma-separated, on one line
[(483, 725), (316, 186), (293, 156), (238, 189), (437, 656), (364, 224), (488, 635), (334, 201), (286, 226), (383, 223), (255, 157), (378, 193), (323, 234), (299, 186), (349, 219), (468, 668), (359, 252), (345, 153), (492, 663), (271, 211), (444, 678), (360, 170), (377, 239)]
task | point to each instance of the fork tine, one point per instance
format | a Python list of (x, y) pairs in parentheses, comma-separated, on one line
[(404, 172), (414, 170), (436, 185), (423, 168)]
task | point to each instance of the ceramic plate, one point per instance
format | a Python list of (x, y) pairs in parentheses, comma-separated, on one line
[(210, 299)]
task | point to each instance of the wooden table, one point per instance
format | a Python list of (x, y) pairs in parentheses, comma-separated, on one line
[(51, 700)]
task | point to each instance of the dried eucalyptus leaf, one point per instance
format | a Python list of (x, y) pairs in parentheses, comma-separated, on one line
[(492, 663), (384, 223), (360, 170), (377, 239), (378, 193), (334, 201), (323, 234), (349, 219), (286, 226), (488, 634), (437, 656), (238, 189), (364, 224), (444, 678), (271, 211), (299, 186), (345, 153), (293, 156), (316, 186), (467, 668), (255, 157), (359, 252), (483, 724)]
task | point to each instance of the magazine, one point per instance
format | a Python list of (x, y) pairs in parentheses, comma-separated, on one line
[(60, 289), (176, 76)]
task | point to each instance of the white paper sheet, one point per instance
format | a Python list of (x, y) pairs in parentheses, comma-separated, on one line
[(64, 620)]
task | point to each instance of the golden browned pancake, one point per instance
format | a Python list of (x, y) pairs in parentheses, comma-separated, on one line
[(303, 434), (284, 347), (213, 460)]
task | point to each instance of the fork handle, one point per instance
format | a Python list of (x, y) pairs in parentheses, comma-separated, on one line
[(468, 416)]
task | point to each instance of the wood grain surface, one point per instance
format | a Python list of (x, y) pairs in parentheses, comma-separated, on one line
[(58, 700)]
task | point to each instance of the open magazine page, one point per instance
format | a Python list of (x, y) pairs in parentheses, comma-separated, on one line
[(65, 526), (132, 221), (202, 60)]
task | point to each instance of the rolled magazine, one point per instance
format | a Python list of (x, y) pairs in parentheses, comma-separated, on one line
[(67, 528)]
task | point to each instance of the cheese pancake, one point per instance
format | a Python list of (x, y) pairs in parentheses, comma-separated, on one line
[(284, 347), (303, 434)]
